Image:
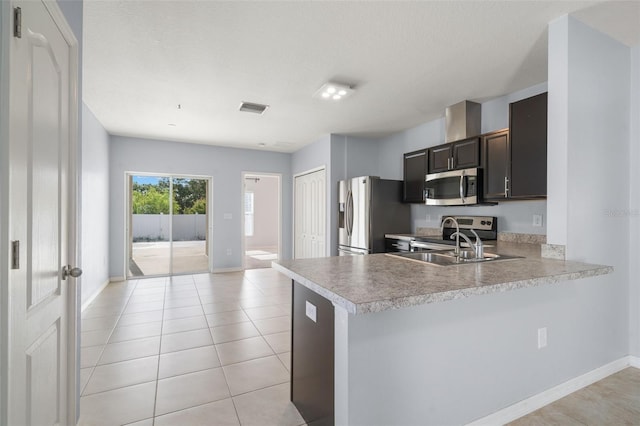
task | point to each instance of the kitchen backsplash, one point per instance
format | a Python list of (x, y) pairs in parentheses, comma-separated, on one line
[(513, 216)]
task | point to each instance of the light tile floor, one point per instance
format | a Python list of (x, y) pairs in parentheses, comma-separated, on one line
[(614, 400), (205, 349)]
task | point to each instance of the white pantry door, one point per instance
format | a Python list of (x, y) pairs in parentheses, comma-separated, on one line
[(310, 215), (41, 94)]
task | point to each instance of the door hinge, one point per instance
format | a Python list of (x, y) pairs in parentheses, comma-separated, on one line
[(15, 254), (17, 22)]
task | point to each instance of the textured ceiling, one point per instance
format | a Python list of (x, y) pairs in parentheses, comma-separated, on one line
[(406, 60)]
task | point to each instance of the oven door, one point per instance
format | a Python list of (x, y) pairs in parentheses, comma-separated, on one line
[(454, 188)]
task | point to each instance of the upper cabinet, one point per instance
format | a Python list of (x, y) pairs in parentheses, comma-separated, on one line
[(496, 164), (515, 159), (462, 154), (528, 133), (415, 170)]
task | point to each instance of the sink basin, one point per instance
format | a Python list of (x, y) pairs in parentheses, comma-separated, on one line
[(470, 256), (448, 258)]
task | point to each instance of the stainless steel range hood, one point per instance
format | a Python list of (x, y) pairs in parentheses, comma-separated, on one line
[(462, 121)]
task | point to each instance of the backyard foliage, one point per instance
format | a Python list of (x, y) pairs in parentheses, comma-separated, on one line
[(189, 197)]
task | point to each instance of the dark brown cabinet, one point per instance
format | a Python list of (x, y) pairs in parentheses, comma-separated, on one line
[(496, 164), (415, 170), (462, 154), (515, 159), (312, 355), (528, 135)]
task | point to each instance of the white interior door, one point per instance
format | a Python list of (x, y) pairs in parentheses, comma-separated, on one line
[(310, 215), (41, 100)]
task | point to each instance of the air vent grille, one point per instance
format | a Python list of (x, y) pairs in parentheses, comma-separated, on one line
[(254, 108)]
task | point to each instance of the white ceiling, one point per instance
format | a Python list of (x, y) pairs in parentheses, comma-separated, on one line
[(406, 60)]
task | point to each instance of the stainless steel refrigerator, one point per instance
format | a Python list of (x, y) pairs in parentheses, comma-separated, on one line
[(368, 208)]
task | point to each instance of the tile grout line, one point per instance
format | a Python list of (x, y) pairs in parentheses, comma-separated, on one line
[(104, 347), (155, 397), (224, 374)]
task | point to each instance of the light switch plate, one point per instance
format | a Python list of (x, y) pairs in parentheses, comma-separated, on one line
[(542, 337), (311, 311)]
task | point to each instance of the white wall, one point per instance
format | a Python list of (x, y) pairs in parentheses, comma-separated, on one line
[(265, 214), (94, 244), (634, 207), (225, 165), (461, 360), (589, 125)]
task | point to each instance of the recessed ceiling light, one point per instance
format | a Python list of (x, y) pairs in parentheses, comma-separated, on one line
[(334, 91), (262, 144), (172, 124)]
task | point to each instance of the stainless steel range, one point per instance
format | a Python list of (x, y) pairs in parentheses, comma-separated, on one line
[(485, 226)]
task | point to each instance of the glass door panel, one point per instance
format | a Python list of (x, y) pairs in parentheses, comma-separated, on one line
[(150, 223), (189, 226)]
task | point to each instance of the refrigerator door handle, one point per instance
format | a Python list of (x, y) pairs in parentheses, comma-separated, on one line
[(350, 213)]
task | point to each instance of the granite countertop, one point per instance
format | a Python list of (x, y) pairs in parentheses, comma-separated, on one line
[(379, 282)]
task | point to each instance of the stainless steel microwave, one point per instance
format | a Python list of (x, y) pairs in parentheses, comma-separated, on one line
[(453, 188)]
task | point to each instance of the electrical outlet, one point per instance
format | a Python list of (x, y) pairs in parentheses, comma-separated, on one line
[(542, 337), (228, 252), (311, 311), (537, 220)]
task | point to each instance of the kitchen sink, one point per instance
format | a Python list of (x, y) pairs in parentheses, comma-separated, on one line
[(448, 257)]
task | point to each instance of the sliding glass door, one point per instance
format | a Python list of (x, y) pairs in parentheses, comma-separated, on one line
[(168, 225)]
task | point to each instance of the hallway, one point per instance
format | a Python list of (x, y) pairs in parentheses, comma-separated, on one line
[(192, 349)]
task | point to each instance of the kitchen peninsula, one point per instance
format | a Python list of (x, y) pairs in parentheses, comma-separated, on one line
[(415, 343)]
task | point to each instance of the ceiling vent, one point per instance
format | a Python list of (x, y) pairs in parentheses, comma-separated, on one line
[(251, 107)]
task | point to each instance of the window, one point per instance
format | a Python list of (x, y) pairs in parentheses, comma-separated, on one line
[(248, 214)]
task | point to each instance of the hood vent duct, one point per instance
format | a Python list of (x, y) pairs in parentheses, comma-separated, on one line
[(462, 121)]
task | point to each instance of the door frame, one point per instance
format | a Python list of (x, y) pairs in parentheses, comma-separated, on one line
[(74, 255), (128, 214), (326, 216), (242, 236)]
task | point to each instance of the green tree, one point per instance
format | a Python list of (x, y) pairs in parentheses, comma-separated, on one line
[(188, 192), (200, 207), (149, 199)]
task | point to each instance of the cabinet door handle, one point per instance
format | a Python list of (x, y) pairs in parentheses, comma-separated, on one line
[(506, 187)]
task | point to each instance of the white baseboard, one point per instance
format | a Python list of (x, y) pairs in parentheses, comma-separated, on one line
[(94, 295), (117, 279), (538, 401), (222, 270), (634, 361)]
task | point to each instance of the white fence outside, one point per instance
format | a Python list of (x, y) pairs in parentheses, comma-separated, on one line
[(155, 227)]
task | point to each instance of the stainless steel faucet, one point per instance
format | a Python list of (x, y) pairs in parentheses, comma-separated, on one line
[(456, 250), (478, 248)]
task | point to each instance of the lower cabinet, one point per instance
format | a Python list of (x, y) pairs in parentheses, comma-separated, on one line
[(312, 356)]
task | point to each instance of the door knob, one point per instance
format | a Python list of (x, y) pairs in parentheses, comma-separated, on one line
[(68, 271)]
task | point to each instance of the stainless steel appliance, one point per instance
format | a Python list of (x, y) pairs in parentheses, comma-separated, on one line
[(485, 226), (454, 188), (369, 207)]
